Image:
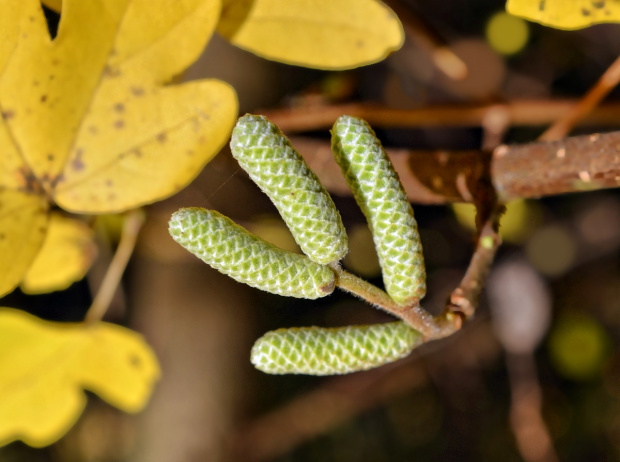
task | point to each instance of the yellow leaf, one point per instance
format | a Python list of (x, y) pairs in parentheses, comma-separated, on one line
[(67, 253), (86, 121), (55, 5), (566, 14), (324, 34), (23, 224), (45, 365)]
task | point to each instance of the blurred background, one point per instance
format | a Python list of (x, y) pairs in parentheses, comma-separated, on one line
[(535, 376)]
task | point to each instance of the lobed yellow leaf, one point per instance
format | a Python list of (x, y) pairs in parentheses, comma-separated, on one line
[(323, 34), (86, 121), (566, 14), (44, 366), (67, 253)]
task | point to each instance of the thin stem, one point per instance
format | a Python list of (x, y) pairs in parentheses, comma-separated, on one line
[(464, 299), (533, 113), (367, 291), (561, 127), (414, 315), (131, 227), (533, 438)]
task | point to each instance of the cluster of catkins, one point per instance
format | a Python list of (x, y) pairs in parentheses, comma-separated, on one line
[(277, 168)]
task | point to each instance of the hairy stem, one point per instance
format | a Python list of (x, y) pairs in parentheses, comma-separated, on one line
[(414, 315)]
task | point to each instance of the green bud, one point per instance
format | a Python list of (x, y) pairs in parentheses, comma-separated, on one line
[(380, 195), (247, 258), (267, 155), (328, 351)]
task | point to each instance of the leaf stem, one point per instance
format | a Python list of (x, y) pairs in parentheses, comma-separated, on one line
[(414, 315), (131, 227)]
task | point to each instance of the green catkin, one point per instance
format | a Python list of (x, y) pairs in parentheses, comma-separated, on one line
[(273, 164), (327, 351), (380, 195), (247, 258)]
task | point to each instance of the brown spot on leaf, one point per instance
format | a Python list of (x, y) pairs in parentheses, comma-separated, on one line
[(50, 157), (189, 152), (42, 229), (77, 164), (55, 62), (598, 4), (52, 77), (29, 182), (35, 83), (93, 129), (137, 153), (135, 361), (43, 98), (109, 183), (119, 124), (585, 12), (109, 71), (119, 107), (137, 91), (2, 236), (162, 137), (8, 114)]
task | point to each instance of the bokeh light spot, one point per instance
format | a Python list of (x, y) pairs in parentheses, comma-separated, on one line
[(517, 224), (578, 347), (551, 250), (507, 34)]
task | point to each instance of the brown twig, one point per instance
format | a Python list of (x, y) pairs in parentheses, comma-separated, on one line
[(321, 409), (547, 168), (525, 171), (562, 127), (131, 227), (531, 433), (464, 299), (531, 113)]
